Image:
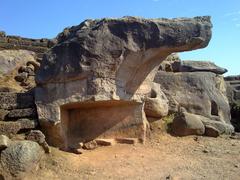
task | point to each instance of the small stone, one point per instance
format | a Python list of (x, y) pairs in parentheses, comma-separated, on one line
[(21, 77), (196, 139), (105, 142), (127, 140), (90, 145), (169, 177), (236, 166), (39, 137), (205, 151)]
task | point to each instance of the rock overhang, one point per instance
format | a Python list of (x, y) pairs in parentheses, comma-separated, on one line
[(110, 60)]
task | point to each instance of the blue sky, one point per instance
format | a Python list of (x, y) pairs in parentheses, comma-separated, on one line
[(46, 18)]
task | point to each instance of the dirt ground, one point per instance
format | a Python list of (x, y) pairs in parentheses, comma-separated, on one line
[(163, 157)]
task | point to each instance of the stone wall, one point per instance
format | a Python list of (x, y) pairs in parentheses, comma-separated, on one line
[(39, 46)]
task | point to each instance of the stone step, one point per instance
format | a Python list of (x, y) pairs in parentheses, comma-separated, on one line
[(22, 113), (16, 100), (10, 128), (234, 82), (105, 142), (127, 140)]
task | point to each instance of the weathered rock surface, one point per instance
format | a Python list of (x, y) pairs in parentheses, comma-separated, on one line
[(4, 142), (187, 124), (110, 61), (201, 66), (202, 93), (156, 105), (39, 137), (171, 64), (20, 158)]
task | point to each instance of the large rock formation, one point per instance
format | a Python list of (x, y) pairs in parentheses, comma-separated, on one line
[(93, 81), (201, 92), (233, 94)]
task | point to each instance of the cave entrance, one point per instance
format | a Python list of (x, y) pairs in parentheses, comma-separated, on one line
[(86, 121)]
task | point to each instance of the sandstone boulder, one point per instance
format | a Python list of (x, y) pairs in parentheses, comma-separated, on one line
[(202, 93), (20, 158), (108, 62), (187, 124), (192, 124), (201, 66)]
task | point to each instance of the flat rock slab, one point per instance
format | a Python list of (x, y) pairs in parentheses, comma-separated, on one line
[(10, 128), (105, 142), (200, 66)]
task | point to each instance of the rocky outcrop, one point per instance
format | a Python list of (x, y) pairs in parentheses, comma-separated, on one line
[(200, 93), (39, 46), (108, 62), (233, 94)]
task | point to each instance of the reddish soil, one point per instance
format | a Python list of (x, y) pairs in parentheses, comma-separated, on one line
[(164, 157)]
